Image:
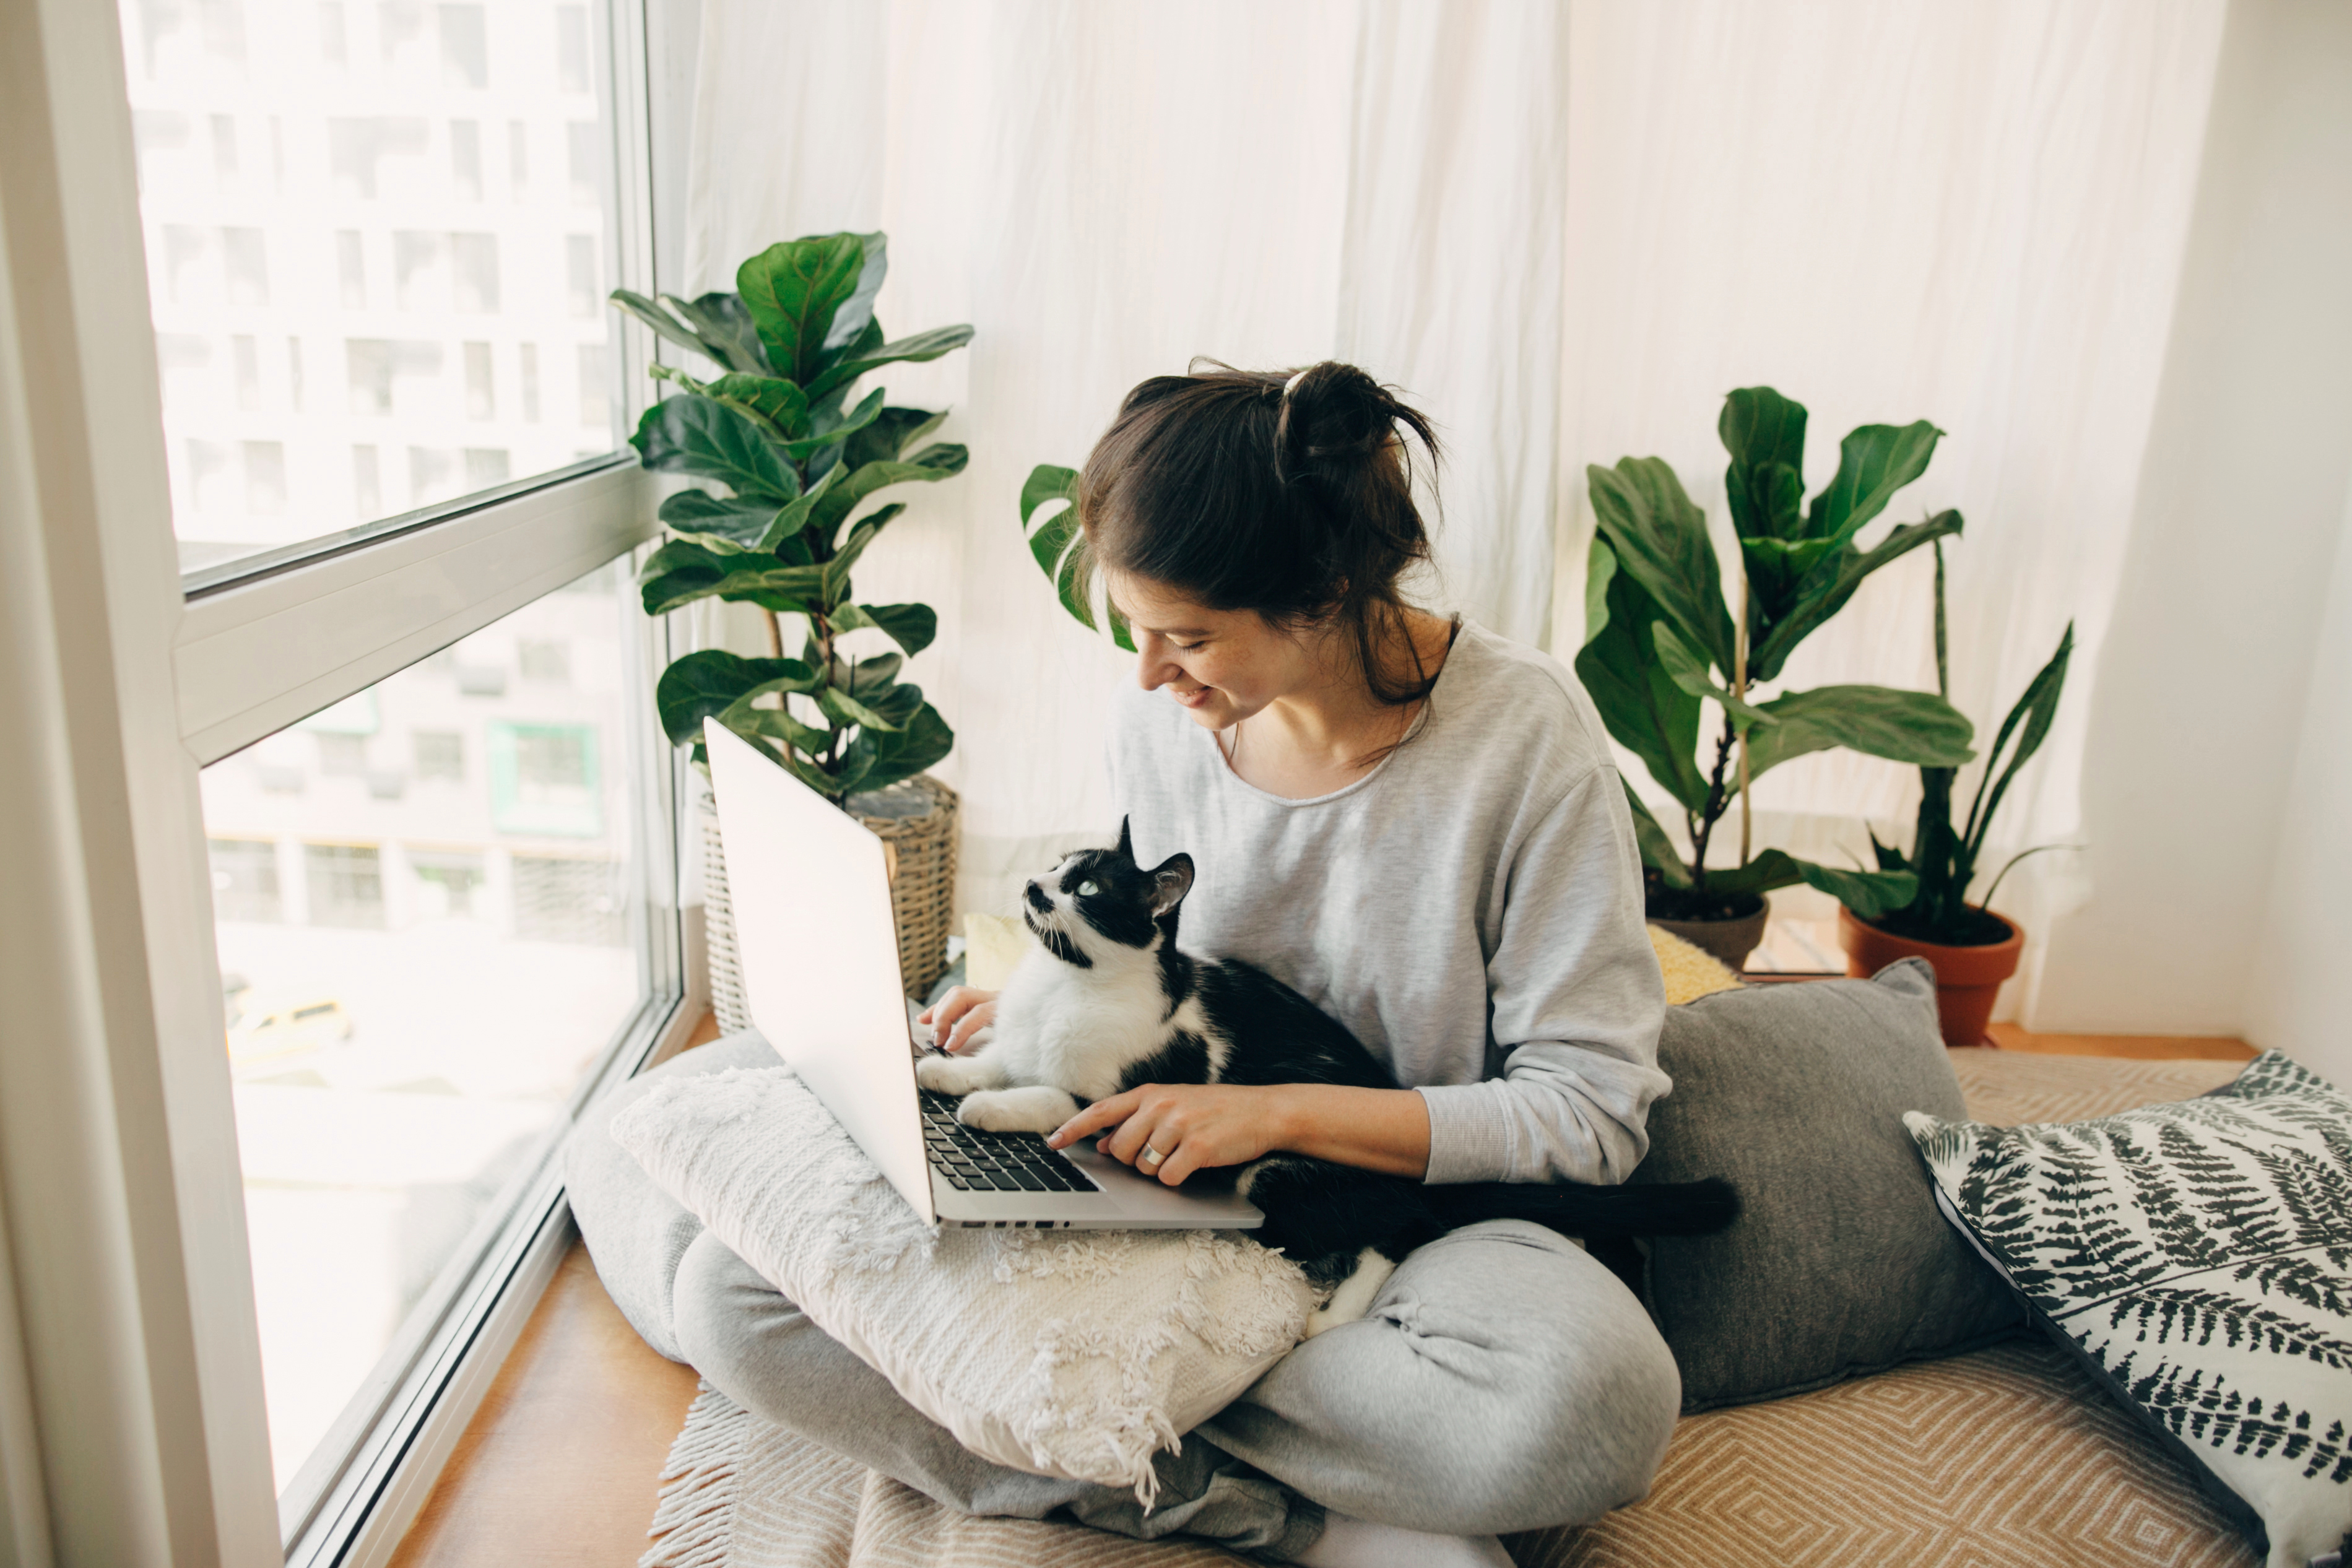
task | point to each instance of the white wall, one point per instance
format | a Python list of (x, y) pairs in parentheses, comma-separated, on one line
[(2292, 1002), (2200, 700)]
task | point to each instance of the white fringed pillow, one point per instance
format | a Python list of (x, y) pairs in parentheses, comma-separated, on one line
[(1078, 1352)]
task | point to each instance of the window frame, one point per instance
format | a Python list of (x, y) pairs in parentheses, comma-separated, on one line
[(133, 1428)]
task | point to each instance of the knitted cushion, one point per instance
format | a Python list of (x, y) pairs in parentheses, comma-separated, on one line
[(1076, 1354), (2198, 1258)]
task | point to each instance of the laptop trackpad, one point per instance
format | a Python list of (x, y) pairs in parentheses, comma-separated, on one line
[(1146, 1197)]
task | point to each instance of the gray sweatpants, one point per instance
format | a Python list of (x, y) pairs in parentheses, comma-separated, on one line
[(1502, 1380)]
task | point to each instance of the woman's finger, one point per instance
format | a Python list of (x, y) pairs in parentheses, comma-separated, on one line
[(1178, 1164), (1147, 1124), (970, 1024), (1094, 1119)]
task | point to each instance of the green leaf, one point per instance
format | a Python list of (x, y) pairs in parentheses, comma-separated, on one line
[(1054, 534), (718, 522), (682, 571), (778, 401), (2030, 720), (844, 709), (1827, 587), (791, 522), (1917, 727), (830, 428), (892, 756), (864, 677), (1642, 708), (894, 430), (724, 328), (851, 316), (1658, 852), (911, 627), (1689, 672), (1661, 542), (922, 346), (897, 703), (748, 721), (701, 685), (696, 436), (793, 290), (664, 324), (932, 463), (1765, 434), (1874, 462), (836, 571), (1869, 894)]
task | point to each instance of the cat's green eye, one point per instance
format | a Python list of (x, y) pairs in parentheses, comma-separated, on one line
[(1087, 890)]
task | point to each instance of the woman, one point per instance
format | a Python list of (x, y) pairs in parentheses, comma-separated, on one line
[(1418, 825)]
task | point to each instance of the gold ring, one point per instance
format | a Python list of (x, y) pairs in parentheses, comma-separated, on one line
[(1152, 1156)]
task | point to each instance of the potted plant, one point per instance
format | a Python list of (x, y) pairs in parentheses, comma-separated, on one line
[(796, 460), (1661, 644), (1972, 949)]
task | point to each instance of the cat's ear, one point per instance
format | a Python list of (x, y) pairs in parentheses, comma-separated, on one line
[(1171, 880), (1126, 843)]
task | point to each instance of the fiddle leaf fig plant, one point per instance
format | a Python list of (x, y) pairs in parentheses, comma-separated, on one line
[(795, 460), (1943, 857), (1661, 644)]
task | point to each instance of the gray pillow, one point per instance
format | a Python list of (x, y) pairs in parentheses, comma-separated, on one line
[(1840, 1263)]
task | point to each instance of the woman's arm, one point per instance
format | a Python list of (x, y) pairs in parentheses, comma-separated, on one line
[(1576, 1007), (1198, 1126)]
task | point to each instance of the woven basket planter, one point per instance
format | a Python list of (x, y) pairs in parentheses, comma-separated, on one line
[(917, 822)]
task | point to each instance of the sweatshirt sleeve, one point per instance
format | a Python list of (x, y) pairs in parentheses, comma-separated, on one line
[(1578, 1004)]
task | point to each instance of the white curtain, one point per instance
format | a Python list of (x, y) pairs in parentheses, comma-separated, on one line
[(1894, 210), (1566, 229), (1105, 190)]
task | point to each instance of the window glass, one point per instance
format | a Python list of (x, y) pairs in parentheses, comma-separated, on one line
[(429, 936), (365, 220)]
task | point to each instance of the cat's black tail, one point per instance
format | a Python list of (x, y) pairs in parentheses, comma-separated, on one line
[(1573, 1209)]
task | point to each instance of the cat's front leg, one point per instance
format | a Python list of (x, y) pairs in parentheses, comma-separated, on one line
[(959, 1075), (1037, 1108)]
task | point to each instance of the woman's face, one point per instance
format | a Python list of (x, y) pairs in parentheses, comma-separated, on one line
[(1222, 666)]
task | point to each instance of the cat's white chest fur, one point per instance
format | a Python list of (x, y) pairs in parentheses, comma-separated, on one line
[(1063, 1033), (1079, 1028)]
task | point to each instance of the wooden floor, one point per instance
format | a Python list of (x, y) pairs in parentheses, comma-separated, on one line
[(2142, 1046), (559, 1464)]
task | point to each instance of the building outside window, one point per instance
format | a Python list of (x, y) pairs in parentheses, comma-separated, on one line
[(374, 240)]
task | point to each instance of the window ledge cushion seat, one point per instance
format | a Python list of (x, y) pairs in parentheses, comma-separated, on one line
[(1072, 1354), (2196, 1258)]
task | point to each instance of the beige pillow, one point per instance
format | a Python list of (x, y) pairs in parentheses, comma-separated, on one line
[(994, 947)]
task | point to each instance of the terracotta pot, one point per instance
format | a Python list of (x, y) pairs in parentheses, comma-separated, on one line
[(1729, 942), (1967, 979)]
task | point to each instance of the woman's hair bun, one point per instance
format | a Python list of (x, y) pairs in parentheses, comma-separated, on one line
[(1332, 411)]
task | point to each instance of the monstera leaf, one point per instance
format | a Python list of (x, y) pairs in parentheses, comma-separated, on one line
[(1049, 522)]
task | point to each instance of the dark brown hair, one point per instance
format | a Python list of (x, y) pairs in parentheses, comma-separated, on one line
[(1295, 504)]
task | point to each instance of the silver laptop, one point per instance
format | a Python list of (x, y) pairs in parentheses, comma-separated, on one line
[(819, 950)]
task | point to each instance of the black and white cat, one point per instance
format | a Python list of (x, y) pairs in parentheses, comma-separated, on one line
[(1105, 1003)]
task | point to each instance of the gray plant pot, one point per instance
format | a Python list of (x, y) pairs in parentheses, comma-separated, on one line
[(1729, 942)]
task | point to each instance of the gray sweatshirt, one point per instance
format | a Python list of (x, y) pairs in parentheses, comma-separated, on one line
[(1471, 908)]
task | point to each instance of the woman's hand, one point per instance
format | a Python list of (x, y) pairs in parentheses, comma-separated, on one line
[(1192, 1126), (1197, 1125), (961, 1014)]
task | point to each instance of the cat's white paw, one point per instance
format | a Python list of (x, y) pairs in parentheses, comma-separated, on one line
[(1354, 1297), (953, 1075), (1030, 1110)]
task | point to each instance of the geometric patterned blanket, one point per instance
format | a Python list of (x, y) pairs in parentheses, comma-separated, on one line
[(2005, 1456)]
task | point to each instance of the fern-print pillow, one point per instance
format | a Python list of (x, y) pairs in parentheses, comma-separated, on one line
[(2199, 1257)]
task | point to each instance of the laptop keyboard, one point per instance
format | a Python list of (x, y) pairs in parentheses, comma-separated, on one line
[(974, 1161)]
